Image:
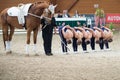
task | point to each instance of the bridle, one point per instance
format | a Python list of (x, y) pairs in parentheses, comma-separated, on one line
[(40, 17)]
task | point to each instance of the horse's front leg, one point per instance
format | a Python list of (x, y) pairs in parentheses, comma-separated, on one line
[(28, 41), (35, 32), (10, 37)]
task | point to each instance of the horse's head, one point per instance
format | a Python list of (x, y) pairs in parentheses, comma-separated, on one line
[(48, 12), (52, 8)]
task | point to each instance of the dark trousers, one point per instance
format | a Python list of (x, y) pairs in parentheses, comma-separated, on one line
[(64, 45), (102, 43), (47, 41), (63, 42), (88, 26), (74, 44), (92, 44), (84, 46), (107, 45)]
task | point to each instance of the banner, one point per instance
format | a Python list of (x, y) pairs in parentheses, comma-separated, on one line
[(114, 18)]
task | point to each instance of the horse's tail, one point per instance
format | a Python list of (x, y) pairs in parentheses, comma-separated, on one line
[(0, 20)]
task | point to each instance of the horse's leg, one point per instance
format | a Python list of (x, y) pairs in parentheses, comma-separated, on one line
[(35, 32), (10, 36), (5, 38), (28, 41)]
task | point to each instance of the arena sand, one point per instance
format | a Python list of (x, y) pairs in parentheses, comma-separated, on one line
[(100, 65)]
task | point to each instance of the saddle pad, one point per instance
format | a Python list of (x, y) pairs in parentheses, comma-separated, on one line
[(14, 11)]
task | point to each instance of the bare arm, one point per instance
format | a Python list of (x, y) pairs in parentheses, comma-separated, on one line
[(98, 30), (68, 33), (70, 28), (63, 30), (90, 31), (107, 29), (55, 30), (82, 30)]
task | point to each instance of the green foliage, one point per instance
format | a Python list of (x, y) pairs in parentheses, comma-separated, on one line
[(111, 26)]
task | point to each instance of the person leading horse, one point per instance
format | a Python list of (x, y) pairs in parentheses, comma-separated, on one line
[(32, 23)]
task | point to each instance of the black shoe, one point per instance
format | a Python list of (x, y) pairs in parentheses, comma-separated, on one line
[(49, 54)]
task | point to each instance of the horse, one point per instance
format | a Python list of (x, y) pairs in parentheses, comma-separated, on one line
[(32, 23)]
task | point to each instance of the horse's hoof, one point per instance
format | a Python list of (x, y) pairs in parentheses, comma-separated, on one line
[(36, 54), (27, 55)]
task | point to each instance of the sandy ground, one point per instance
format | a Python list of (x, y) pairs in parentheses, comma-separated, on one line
[(100, 65)]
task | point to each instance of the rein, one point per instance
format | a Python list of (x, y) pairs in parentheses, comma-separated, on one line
[(35, 15), (40, 17)]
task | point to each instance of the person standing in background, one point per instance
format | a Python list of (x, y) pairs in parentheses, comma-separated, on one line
[(65, 14), (89, 23), (76, 15), (59, 15)]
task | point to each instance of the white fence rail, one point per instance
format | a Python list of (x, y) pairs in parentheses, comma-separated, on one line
[(17, 31), (21, 31)]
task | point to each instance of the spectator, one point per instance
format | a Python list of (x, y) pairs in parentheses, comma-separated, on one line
[(76, 15), (59, 15), (65, 14), (89, 23)]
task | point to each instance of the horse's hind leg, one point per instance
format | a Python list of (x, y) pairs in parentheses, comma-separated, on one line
[(5, 38), (10, 36)]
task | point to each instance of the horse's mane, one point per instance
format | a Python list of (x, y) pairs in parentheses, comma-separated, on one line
[(40, 2)]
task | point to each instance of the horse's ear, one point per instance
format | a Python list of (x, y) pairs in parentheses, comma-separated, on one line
[(52, 8)]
